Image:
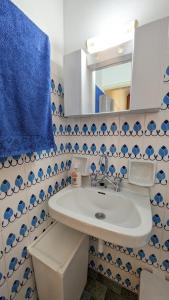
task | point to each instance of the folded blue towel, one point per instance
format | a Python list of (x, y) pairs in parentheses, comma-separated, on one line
[(25, 109)]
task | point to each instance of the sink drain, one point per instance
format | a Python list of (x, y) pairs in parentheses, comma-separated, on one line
[(100, 216)]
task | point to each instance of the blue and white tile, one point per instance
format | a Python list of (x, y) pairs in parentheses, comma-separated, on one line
[(131, 147), (14, 234), (36, 171), (12, 182), (37, 216), (13, 208), (1, 247), (28, 292), (16, 259), (3, 273), (132, 125), (20, 278), (164, 263), (4, 292)]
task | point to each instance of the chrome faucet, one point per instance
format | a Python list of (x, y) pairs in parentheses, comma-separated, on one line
[(104, 158), (104, 179)]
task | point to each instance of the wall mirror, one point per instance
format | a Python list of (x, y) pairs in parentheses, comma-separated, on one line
[(112, 88), (103, 81)]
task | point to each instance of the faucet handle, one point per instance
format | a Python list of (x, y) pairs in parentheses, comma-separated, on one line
[(117, 179), (93, 178)]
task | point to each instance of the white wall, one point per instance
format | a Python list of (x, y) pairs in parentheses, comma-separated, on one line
[(87, 18), (48, 15)]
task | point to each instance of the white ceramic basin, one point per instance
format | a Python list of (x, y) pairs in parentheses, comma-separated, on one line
[(128, 218)]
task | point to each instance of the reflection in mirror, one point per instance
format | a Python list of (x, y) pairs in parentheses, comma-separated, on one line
[(112, 88)]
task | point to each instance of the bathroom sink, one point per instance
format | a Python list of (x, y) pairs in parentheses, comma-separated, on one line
[(122, 218)]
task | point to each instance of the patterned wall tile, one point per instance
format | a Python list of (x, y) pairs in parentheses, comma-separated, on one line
[(26, 184), (132, 126), (13, 209), (4, 294), (28, 181), (140, 136), (28, 291), (12, 182), (3, 273)]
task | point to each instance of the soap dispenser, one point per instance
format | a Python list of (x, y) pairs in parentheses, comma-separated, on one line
[(76, 176)]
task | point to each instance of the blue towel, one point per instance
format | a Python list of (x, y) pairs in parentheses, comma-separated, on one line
[(25, 108)]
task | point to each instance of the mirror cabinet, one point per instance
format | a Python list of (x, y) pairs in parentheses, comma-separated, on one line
[(124, 78)]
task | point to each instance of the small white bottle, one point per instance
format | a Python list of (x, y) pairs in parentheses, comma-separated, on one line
[(76, 177)]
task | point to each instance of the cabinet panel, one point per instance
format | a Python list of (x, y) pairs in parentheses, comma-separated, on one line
[(77, 84), (72, 83), (150, 44)]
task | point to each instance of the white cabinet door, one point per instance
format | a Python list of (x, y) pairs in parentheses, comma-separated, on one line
[(72, 83), (150, 48), (76, 84)]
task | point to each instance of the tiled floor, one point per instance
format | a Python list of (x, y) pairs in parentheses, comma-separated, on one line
[(99, 287)]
